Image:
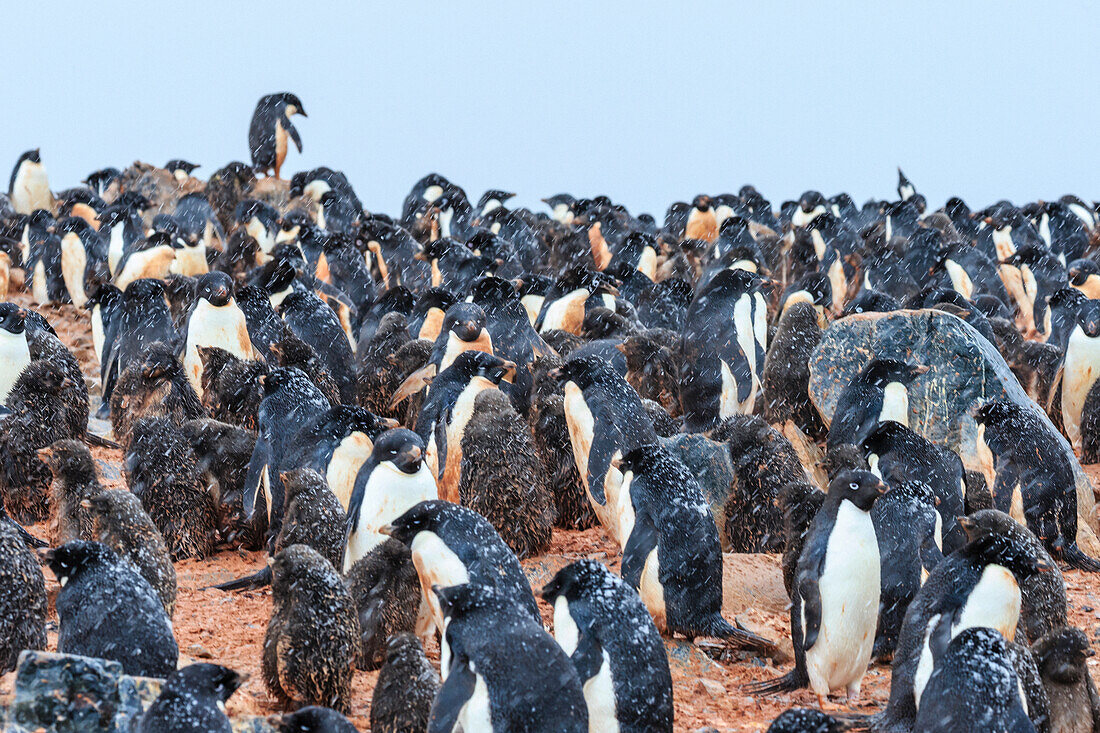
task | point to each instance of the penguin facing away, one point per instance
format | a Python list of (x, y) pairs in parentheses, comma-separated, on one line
[(880, 392)]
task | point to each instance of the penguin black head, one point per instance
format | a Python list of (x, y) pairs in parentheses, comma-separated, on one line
[(806, 720), (574, 579), (177, 164), (579, 276), (493, 288), (99, 180), (146, 289), (701, 202), (1079, 271), (811, 201), (458, 600), (216, 288), (403, 448), (1061, 655), (859, 487), (293, 105), (281, 378), (464, 320), (1088, 317), (424, 517), (250, 209), (559, 199), (584, 371), (995, 412), (72, 225), (732, 283), (1010, 552), (73, 557), (311, 719), (40, 218), (880, 372), (13, 319), (212, 679), (470, 364), (133, 201)]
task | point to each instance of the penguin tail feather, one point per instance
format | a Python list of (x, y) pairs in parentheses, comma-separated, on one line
[(793, 680), (719, 628), (1075, 557), (257, 580), (29, 539), (100, 442)]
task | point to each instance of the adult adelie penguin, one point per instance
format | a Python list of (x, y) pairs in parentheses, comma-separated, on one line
[(606, 420), (880, 392), (315, 323), (501, 670), (834, 607), (673, 557), (603, 626), (15, 353), (1080, 368), (83, 253), (214, 320), (269, 129), (1032, 478), (565, 304), (29, 187), (452, 545), (391, 482), (723, 345), (449, 406)]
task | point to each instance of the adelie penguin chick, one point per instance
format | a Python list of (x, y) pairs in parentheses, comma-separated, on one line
[(37, 421), (502, 478), (313, 636), (152, 388), (452, 545), (805, 720), (672, 556), (23, 604), (386, 589), (499, 666), (786, 375), (214, 320), (108, 610), (605, 629), (1062, 657), (74, 481), (270, 128), (223, 452), (974, 683), (120, 522), (161, 470), (231, 388), (835, 604), (193, 701), (391, 482), (405, 690), (312, 719), (880, 392)]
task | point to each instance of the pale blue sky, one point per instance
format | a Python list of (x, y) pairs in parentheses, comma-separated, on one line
[(643, 102)]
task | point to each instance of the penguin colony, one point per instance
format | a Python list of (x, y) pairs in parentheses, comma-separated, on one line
[(398, 408)]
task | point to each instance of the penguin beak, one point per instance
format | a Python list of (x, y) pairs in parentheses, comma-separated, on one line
[(44, 454), (881, 488), (387, 530), (388, 423), (556, 374), (409, 460), (968, 525), (509, 372)]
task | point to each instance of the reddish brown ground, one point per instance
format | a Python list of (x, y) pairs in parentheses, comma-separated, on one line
[(229, 628)]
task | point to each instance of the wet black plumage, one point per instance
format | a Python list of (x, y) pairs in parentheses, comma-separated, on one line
[(192, 701), (74, 481), (231, 389), (385, 587), (406, 687), (155, 387), (23, 602)]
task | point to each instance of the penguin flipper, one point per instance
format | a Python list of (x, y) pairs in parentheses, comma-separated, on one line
[(293, 132), (588, 657), (413, 384), (257, 580), (605, 442), (452, 696), (251, 491), (810, 595), (642, 541), (1075, 557)]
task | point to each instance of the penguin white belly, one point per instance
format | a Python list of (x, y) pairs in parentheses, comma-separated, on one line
[(565, 628), (760, 322), (150, 263), (190, 261), (1002, 240), (960, 280), (278, 298), (1082, 367), (221, 326), (895, 404), (819, 244), (1084, 215), (476, 715), (115, 248), (445, 218), (599, 694), (533, 305), (993, 602), (31, 189), (727, 402), (849, 587), (617, 490), (456, 428), (456, 346), (389, 493), (582, 428), (15, 355), (566, 313), (838, 281), (280, 143), (73, 261), (985, 458), (925, 665), (343, 467), (746, 333), (98, 336), (647, 263), (38, 283), (436, 564), (652, 592)]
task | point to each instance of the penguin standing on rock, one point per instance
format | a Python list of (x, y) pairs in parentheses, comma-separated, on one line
[(1033, 479), (501, 670), (880, 392), (605, 629), (391, 482), (835, 604), (672, 556), (270, 128), (214, 320), (29, 187)]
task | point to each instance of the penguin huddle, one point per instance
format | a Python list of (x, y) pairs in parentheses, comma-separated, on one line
[(400, 409)]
